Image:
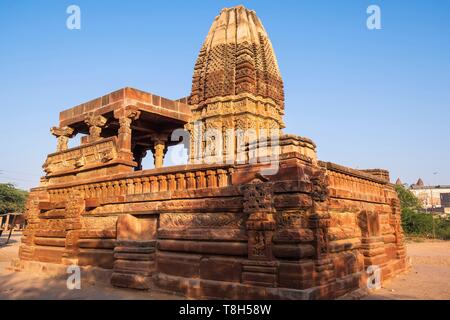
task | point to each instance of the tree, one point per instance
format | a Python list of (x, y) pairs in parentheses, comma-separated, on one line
[(11, 198), (415, 221), (408, 200)]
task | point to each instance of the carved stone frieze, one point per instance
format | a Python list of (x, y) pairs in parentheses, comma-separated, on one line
[(100, 152), (258, 196), (202, 220), (290, 219)]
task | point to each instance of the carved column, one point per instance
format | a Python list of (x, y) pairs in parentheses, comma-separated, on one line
[(126, 117), (159, 149), (95, 124), (139, 153), (159, 153), (63, 134)]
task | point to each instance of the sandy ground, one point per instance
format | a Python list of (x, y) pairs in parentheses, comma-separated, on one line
[(22, 285), (429, 278)]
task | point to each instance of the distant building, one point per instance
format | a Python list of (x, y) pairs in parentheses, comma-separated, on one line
[(434, 198)]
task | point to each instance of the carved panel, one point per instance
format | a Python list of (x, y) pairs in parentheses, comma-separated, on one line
[(202, 220), (258, 197), (93, 154), (320, 186), (99, 223), (51, 224), (258, 244), (290, 220)]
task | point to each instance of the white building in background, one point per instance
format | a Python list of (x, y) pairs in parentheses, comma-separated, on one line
[(434, 198)]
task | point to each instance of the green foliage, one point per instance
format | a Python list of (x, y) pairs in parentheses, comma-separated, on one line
[(408, 200), (11, 198), (443, 229), (416, 222)]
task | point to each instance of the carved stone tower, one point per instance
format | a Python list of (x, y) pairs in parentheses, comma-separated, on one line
[(237, 84)]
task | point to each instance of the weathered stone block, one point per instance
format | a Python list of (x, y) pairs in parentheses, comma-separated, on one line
[(96, 257), (220, 269), (183, 265)]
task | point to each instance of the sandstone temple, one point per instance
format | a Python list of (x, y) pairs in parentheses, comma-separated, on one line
[(252, 215)]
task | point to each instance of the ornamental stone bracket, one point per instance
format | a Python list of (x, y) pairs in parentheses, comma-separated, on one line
[(95, 124), (63, 134)]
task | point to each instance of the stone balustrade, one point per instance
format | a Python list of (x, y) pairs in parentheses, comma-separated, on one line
[(345, 186), (149, 181), (347, 183)]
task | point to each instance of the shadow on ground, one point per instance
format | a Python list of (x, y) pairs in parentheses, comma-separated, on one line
[(21, 285)]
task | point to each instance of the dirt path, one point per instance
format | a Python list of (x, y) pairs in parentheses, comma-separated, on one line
[(429, 278)]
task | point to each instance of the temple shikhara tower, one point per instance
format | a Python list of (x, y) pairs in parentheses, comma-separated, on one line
[(265, 219), (237, 84)]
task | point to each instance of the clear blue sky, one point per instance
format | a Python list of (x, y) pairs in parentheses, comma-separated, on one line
[(367, 98)]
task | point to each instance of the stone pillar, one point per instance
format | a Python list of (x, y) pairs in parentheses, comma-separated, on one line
[(95, 124), (139, 153), (159, 153), (126, 116), (63, 134), (159, 149)]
